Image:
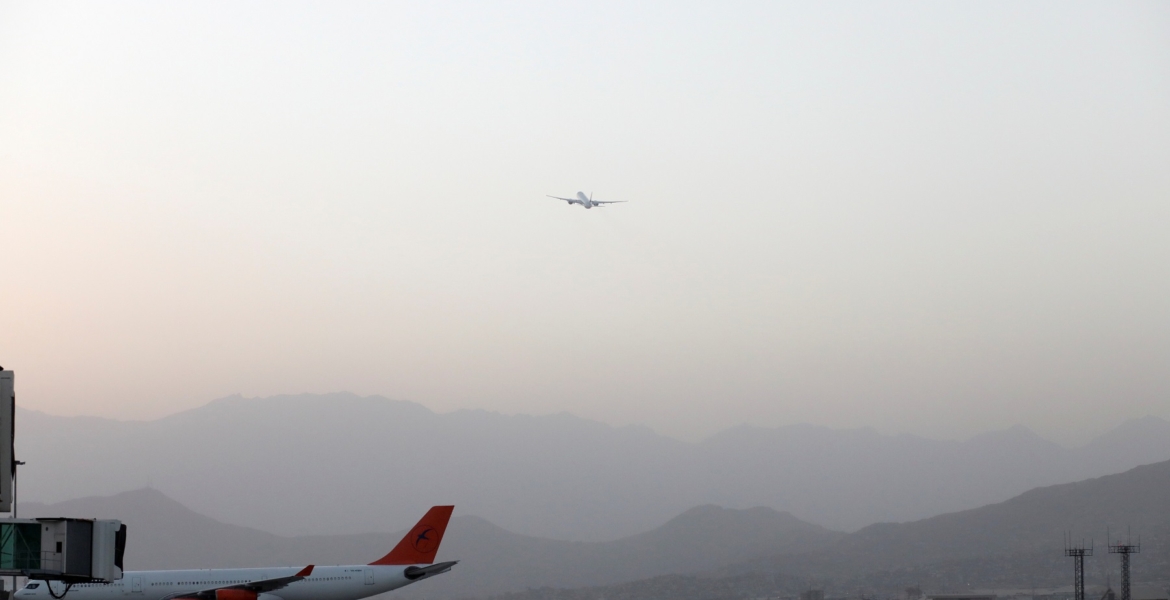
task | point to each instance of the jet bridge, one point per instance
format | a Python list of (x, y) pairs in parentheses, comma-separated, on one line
[(69, 550)]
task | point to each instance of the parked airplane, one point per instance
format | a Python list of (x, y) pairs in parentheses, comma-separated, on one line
[(413, 559), (586, 201)]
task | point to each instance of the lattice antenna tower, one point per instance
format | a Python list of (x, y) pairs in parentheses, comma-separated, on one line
[(1125, 550), (1078, 552)]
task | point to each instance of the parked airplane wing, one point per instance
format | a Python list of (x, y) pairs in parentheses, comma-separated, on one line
[(267, 585), (416, 573), (259, 586)]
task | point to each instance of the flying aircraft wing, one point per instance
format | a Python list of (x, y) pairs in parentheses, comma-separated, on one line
[(565, 199), (609, 201), (260, 586)]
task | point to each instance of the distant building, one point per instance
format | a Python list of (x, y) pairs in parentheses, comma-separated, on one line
[(962, 597), (1148, 592)]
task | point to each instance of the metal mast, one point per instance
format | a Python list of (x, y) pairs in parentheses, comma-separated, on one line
[(1125, 550), (1078, 554)]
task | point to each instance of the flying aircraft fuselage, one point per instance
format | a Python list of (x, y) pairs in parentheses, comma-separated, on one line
[(586, 201)]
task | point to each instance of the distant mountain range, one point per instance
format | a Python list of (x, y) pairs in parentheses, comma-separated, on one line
[(1018, 540), (339, 463), (1017, 544), (705, 552)]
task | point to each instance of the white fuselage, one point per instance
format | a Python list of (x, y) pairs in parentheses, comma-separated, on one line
[(349, 582), (584, 200)]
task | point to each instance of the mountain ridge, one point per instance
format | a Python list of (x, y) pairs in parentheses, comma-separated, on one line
[(1012, 545), (1135, 425), (706, 549), (555, 476), (1029, 527)]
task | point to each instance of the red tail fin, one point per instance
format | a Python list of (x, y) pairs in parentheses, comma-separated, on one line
[(422, 542)]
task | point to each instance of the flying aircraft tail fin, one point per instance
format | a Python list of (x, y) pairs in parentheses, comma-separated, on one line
[(422, 541)]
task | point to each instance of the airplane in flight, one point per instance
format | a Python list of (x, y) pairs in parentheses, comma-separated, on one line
[(412, 560), (586, 201)]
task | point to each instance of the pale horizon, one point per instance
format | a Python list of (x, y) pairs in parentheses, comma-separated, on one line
[(937, 219)]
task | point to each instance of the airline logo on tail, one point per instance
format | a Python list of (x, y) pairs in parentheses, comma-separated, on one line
[(424, 538), (420, 545)]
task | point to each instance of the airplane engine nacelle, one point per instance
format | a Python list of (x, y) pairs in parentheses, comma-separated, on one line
[(235, 595)]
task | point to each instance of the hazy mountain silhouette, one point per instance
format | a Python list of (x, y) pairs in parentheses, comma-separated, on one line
[(163, 534), (340, 463), (1013, 544), (756, 551), (1021, 538)]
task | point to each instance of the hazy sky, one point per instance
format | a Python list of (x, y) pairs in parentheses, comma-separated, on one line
[(931, 217)]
